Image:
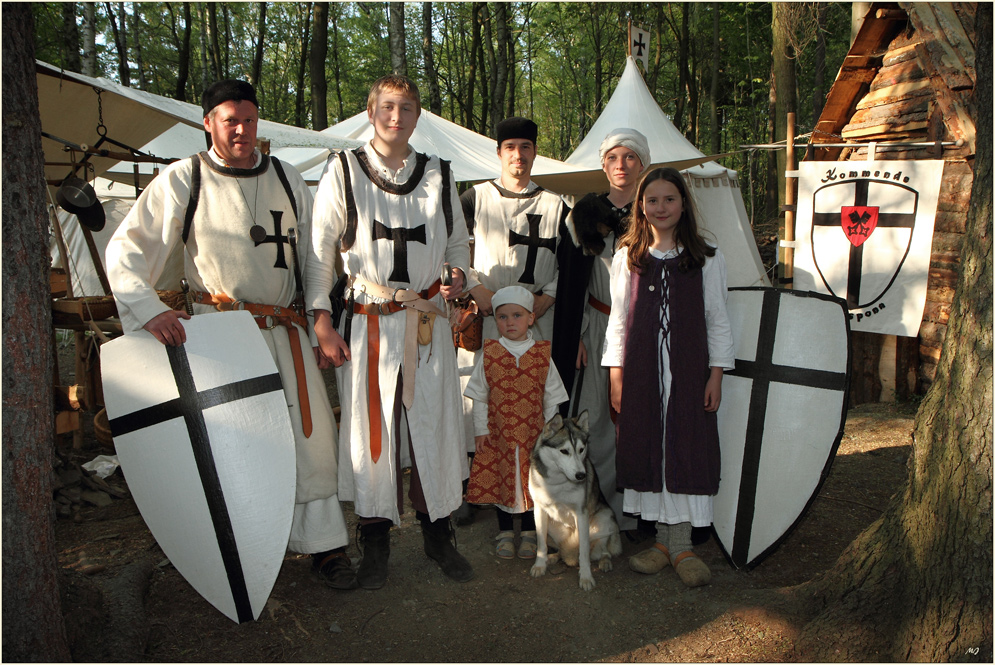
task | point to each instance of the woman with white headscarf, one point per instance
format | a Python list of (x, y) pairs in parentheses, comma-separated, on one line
[(583, 299)]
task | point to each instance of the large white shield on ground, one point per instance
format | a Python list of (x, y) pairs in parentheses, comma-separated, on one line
[(782, 415), (205, 441)]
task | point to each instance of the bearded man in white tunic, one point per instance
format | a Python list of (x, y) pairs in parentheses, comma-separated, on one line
[(515, 225), (231, 211), (394, 215)]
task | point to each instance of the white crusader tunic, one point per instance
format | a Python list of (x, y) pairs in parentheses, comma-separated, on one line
[(434, 419), (665, 506), (220, 257)]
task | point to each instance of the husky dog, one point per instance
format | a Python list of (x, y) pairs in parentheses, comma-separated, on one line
[(569, 506)]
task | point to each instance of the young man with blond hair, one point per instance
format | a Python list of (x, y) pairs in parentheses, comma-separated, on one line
[(394, 216)]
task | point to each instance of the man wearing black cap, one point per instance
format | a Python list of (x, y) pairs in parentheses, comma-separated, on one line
[(515, 225), (232, 209)]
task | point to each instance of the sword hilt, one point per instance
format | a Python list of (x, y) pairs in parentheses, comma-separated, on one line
[(187, 298)]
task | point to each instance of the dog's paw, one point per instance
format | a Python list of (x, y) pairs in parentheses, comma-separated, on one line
[(605, 564), (586, 582), (538, 570)]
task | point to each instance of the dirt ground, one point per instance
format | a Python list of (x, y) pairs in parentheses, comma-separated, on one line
[(502, 615)]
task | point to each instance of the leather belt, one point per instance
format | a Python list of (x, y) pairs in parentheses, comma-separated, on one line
[(278, 316), (411, 302), (600, 306)]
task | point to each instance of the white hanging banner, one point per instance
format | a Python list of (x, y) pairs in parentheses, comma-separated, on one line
[(864, 231), (639, 45)]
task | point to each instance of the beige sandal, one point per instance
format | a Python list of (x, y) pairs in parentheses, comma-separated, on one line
[(527, 548), (505, 544)]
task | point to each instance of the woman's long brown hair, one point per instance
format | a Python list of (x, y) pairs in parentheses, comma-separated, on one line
[(639, 235)]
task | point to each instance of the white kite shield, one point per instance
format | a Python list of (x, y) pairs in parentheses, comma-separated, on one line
[(782, 415), (205, 441)]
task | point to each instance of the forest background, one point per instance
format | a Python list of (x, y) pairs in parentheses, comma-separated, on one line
[(713, 67)]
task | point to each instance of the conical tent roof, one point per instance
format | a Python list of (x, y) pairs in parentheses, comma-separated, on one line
[(715, 188)]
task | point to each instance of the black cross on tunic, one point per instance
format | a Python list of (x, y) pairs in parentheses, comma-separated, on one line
[(190, 406), (763, 372), (855, 261), (534, 242), (401, 236), (258, 234)]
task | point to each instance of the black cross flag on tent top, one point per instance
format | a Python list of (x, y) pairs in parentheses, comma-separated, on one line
[(639, 45)]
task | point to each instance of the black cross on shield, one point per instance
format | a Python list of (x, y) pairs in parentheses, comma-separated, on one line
[(763, 371), (864, 214), (400, 236), (259, 236), (534, 242), (190, 405)]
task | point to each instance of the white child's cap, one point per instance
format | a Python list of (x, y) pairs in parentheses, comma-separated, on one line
[(627, 138), (512, 295)]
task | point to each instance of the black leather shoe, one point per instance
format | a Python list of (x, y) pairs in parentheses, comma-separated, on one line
[(440, 547), (374, 540), (335, 570)]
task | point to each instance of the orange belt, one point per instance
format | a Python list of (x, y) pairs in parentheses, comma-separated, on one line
[(280, 316), (373, 311), (600, 306)]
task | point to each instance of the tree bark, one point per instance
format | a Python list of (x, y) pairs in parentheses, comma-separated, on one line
[(783, 56), (818, 87), (919, 580), (398, 51), (121, 41), (88, 38), (471, 77), (257, 60), (300, 103), (713, 101), (214, 40), (183, 55), (434, 94), (335, 12), (682, 68), (136, 22), (318, 54), (70, 36), (33, 627), (500, 21)]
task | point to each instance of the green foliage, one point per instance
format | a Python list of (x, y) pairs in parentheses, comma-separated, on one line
[(566, 60)]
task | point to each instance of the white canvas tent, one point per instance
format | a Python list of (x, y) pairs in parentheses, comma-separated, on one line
[(473, 156), (71, 109), (715, 188)]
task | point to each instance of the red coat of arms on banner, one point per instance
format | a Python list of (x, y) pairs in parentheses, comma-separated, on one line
[(877, 219)]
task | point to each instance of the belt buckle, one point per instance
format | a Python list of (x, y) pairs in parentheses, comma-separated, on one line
[(393, 296), (380, 308), (269, 320)]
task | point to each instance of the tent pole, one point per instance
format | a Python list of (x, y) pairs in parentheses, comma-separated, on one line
[(790, 190)]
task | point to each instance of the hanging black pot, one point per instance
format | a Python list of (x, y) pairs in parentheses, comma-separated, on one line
[(76, 195)]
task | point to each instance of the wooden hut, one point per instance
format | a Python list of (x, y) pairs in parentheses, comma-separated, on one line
[(909, 77)]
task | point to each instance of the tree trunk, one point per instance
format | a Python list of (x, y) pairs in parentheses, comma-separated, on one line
[(500, 21), (713, 102), (300, 103), (33, 628), (783, 57), (510, 59), (205, 70), (818, 87), (398, 52), (214, 40), (257, 61), (70, 36), (919, 580), (771, 184), (183, 55), (318, 54), (335, 11), (88, 39), (136, 22), (121, 41), (489, 109), (471, 77), (434, 94), (682, 68)]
